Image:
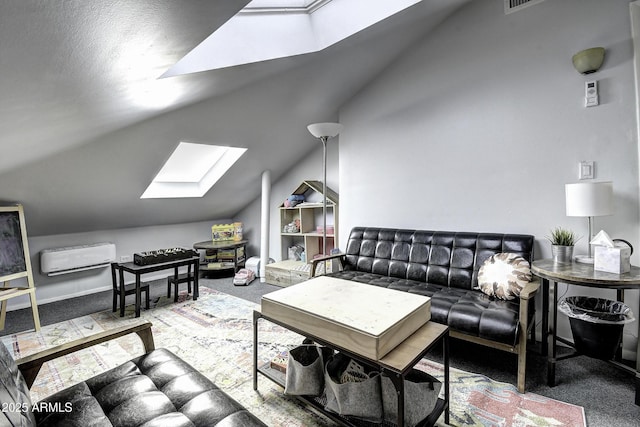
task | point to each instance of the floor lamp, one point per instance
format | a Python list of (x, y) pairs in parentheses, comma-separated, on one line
[(324, 132), (589, 199)]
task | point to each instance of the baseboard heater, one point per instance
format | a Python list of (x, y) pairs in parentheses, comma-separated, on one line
[(54, 262)]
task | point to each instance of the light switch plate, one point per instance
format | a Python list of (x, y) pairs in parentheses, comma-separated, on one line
[(586, 170)]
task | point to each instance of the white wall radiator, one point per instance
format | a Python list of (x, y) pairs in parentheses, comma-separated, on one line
[(71, 259)]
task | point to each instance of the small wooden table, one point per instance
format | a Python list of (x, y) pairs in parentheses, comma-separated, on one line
[(396, 363), (139, 270), (582, 275)]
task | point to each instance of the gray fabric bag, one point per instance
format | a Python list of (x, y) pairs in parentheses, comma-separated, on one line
[(305, 370), (421, 392), (352, 390)]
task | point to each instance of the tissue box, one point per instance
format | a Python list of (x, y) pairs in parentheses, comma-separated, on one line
[(612, 260)]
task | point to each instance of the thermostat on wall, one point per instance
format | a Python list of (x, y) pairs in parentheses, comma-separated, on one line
[(591, 93)]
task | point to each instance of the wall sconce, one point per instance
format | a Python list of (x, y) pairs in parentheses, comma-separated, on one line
[(589, 60)]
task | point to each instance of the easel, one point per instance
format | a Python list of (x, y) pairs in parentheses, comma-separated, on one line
[(15, 262)]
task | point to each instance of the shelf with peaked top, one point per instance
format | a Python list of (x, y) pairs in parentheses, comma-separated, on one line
[(301, 236)]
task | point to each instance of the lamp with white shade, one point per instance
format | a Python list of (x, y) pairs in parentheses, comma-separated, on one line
[(324, 132), (589, 199)]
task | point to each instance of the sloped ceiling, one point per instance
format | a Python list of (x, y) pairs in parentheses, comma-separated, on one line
[(85, 124)]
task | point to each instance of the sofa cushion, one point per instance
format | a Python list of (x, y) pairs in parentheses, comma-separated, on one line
[(155, 389), (504, 275)]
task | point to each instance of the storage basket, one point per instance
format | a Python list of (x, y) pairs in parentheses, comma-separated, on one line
[(352, 390), (305, 370), (421, 392)]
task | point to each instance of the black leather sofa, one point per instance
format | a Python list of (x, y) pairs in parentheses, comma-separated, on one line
[(444, 266), (157, 389)]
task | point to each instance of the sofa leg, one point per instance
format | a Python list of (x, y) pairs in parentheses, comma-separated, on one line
[(522, 368), (522, 356)]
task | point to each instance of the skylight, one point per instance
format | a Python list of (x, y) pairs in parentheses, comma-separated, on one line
[(192, 169), (283, 4), (271, 29)]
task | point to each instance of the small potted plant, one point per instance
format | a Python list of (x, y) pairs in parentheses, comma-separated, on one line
[(562, 243)]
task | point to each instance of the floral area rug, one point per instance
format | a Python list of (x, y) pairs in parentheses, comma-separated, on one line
[(215, 335)]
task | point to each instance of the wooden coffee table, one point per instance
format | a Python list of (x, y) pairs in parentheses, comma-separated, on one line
[(323, 310)]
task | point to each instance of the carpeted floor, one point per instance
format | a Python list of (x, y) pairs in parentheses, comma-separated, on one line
[(605, 392)]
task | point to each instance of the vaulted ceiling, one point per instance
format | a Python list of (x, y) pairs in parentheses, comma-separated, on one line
[(85, 123)]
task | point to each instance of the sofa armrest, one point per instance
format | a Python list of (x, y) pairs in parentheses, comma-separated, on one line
[(315, 261), (530, 289), (30, 365)]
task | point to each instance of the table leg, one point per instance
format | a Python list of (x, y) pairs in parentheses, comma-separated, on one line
[(122, 294), (620, 296), (255, 348), (638, 366), (398, 383), (138, 298), (177, 284), (618, 355), (545, 317), (551, 358), (445, 355), (196, 275)]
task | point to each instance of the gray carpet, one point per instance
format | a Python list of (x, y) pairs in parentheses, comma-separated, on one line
[(606, 393)]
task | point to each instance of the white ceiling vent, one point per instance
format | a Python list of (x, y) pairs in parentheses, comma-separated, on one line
[(511, 6)]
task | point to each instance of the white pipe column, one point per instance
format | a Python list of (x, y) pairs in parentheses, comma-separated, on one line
[(264, 225)]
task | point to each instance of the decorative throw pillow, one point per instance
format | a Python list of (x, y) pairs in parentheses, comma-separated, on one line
[(504, 275)]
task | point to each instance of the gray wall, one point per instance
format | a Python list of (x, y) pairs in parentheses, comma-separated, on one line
[(481, 124)]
